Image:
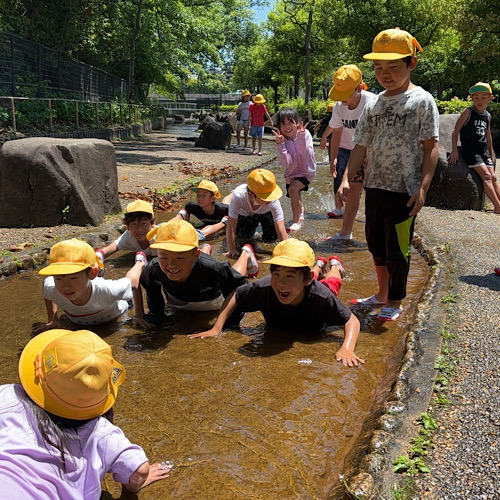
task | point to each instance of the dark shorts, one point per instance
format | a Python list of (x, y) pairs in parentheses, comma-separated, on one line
[(342, 160), (300, 179), (247, 224), (476, 158)]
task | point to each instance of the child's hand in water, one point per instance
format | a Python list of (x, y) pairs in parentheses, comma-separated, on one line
[(280, 139)]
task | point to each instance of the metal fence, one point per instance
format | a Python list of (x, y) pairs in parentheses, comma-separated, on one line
[(28, 69)]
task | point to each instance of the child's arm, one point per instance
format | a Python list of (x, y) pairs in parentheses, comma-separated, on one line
[(231, 237), (324, 137), (454, 155), (145, 475), (107, 250), (225, 311), (431, 155), (281, 230), (346, 352), (52, 319), (356, 159), (212, 229), (489, 143), (183, 215), (334, 150)]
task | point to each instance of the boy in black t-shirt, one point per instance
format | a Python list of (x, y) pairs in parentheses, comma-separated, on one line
[(189, 277), (292, 299), (206, 209)]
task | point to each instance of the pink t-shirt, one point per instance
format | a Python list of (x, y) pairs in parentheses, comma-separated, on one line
[(257, 113)]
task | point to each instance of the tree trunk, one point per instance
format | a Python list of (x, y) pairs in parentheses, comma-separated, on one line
[(296, 82), (307, 63), (133, 40)]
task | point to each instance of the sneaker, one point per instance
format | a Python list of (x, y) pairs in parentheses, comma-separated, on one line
[(335, 261), (302, 214), (339, 237), (260, 153), (321, 262), (336, 213), (254, 152), (253, 263), (224, 219), (296, 226), (497, 271), (389, 314), (207, 248), (236, 146), (141, 257)]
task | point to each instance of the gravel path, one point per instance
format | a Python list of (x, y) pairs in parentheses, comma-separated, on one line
[(466, 461)]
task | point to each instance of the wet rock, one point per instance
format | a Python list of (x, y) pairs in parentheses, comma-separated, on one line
[(388, 422), (361, 486), (373, 463), (8, 268), (400, 390), (394, 407), (379, 441)]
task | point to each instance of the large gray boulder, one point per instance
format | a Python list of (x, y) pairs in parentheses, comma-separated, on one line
[(453, 186), (215, 135), (46, 181)]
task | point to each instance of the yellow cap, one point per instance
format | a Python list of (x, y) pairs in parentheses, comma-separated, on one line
[(393, 44), (245, 92), (139, 206), (176, 235), (262, 183), (292, 253), (209, 186), (345, 81), (70, 374), (70, 256), (259, 99), (480, 87)]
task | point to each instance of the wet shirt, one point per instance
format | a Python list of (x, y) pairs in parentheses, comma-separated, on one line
[(107, 302), (32, 469), (209, 279), (240, 205), (473, 131), (221, 209), (392, 129), (319, 308)]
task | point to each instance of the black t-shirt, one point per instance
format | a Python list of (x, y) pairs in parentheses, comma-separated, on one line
[(208, 279), (192, 208), (319, 307), (473, 134)]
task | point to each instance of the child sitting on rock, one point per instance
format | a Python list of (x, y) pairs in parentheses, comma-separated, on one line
[(206, 209), (188, 276), (291, 299), (73, 285)]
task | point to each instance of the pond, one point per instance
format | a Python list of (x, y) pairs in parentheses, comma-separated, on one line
[(244, 415)]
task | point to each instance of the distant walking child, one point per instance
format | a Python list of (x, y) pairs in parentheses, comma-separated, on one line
[(258, 112), (474, 128), (292, 300), (57, 439), (296, 154), (398, 135), (243, 114), (73, 285), (349, 91), (212, 213)]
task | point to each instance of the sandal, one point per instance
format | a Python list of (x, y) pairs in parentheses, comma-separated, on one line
[(369, 301), (389, 314)]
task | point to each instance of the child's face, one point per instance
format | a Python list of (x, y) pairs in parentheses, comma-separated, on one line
[(139, 228), (481, 100), (204, 198), (257, 200), (288, 284), (394, 76), (352, 101), (245, 98), (177, 265), (288, 128), (76, 287)]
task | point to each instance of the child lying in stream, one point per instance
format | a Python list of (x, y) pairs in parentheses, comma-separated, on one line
[(292, 299)]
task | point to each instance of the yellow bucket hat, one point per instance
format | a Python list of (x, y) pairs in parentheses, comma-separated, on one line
[(209, 186), (345, 81), (139, 206), (70, 374), (262, 183), (259, 99), (481, 87), (245, 92), (176, 235), (292, 253), (70, 256), (393, 44)]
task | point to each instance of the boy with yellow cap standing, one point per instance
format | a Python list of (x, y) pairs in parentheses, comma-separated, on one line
[(212, 213), (256, 202), (73, 285), (258, 112), (398, 135), (291, 299), (189, 278), (474, 128), (351, 95)]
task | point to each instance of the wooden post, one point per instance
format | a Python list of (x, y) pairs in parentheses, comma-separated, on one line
[(51, 124), (13, 113)]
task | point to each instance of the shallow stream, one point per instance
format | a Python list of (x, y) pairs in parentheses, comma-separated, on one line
[(244, 416)]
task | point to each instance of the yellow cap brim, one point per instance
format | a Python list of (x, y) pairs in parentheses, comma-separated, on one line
[(283, 260), (56, 269), (275, 194), (42, 398), (385, 56), (173, 247), (336, 95)]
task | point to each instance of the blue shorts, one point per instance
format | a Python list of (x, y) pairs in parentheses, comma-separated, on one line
[(256, 131), (242, 122)]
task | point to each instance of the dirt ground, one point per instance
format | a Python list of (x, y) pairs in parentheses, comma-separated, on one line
[(156, 167)]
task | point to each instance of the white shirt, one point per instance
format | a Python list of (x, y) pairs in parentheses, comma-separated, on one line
[(127, 242), (107, 302), (240, 205)]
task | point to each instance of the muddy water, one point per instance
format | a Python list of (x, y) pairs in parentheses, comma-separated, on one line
[(243, 416)]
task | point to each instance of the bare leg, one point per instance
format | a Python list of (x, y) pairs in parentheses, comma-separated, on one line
[(253, 144), (294, 190), (489, 189), (496, 185), (351, 207), (383, 283), (238, 134), (260, 144), (245, 133), (241, 264)]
